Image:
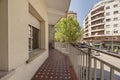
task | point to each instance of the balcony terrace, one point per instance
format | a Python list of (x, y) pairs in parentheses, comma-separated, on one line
[(97, 13), (67, 61), (56, 67)]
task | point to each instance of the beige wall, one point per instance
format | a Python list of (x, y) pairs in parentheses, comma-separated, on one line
[(26, 71), (14, 32), (17, 32), (3, 35)]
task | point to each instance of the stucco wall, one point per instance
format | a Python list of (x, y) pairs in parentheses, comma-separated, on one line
[(17, 37), (17, 32), (26, 71)]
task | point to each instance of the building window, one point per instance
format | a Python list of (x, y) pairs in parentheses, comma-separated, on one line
[(115, 25), (114, 38), (115, 19), (115, 31), (115, 12), (107, 26), (108, 13), (108, 7), (97, 38), (107, 32), (33, 38), (106, 38), (116, 5), (107, 20)]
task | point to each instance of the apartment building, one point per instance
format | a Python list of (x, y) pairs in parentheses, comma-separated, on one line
[(24, 35), (72, 14), (102, 23)]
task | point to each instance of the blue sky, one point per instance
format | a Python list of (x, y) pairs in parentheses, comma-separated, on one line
[(82, 7)]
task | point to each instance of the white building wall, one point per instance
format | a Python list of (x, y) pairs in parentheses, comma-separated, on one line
[(111, 28), (89, 24)]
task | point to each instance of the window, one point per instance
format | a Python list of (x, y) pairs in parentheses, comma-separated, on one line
[(116, 5), (115, 25), (97, 38), (108, 13), (96, 33), (106, 38), (107, 20), (115, 31), (115, 12), (33, 38), (115, 19), (107, 32), (107, 26), (108, 7), (114, 38)]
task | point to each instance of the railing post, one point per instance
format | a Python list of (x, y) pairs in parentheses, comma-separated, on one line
[(89, 63)]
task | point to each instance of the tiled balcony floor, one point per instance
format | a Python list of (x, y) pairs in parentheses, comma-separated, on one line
[(56, 67)]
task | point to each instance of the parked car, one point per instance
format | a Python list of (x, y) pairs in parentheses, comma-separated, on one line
[(80, 45)]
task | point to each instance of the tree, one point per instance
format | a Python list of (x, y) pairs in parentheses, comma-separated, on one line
[(71, 33)]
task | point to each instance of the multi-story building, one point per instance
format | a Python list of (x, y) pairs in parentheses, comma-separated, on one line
[(72, 14), (102, 23)]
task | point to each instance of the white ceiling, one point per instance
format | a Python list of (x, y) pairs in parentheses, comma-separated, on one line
[(57, 9)]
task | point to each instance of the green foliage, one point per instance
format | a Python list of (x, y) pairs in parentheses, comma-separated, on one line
[(72, 33)]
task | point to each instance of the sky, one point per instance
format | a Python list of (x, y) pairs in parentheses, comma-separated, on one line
[(82, 7)]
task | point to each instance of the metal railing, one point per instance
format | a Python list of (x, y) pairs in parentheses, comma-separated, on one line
[(88, 65)]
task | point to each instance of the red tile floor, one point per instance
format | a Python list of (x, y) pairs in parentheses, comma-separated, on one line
[(56, 67)]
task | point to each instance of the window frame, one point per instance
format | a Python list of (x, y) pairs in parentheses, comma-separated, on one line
[(115, 5), (115, 25), (31, 43), (108, 20), (107, 7), (115, 18), (115, 12)]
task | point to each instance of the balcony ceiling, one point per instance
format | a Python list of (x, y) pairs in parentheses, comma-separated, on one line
[(56, 10)]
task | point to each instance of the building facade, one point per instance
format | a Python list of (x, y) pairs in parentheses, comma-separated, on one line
[(72, 14), (24, 35), (102, 23)]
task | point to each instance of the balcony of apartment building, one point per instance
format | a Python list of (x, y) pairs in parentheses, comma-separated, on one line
[(86, 26), (86, 22), (86, 30), (97, 33), (86, 19), (65, 62), (97, 23), (24, 41), (91, 63), (97, 11), (115, 38), (97, 39), (97, 28), (97, 17)]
